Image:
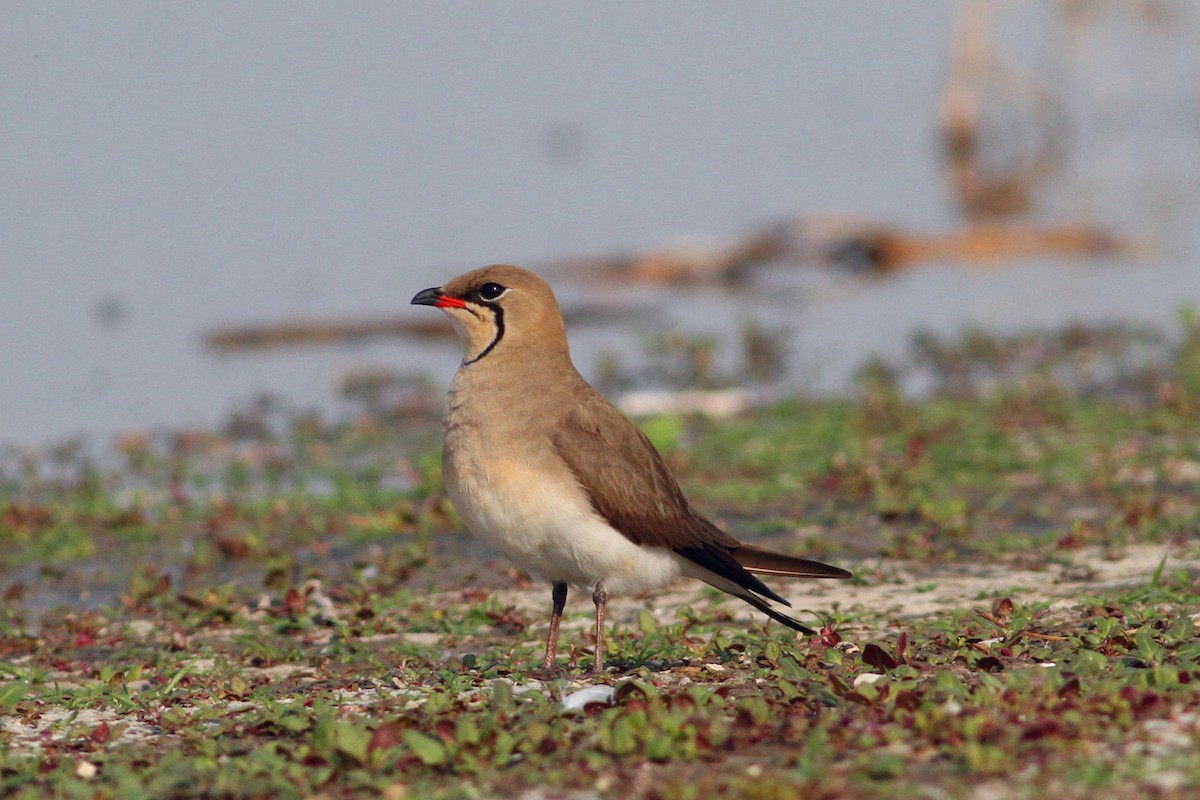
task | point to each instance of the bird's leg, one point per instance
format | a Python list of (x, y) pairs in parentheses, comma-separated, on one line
[(558, 596), (600, 598)]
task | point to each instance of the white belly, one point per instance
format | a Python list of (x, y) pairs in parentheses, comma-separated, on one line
[(548, 528)]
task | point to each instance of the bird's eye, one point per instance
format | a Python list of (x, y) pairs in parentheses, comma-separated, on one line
[(491, 291)]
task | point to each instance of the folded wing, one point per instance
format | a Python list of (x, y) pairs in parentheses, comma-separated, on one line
[(630, 486)]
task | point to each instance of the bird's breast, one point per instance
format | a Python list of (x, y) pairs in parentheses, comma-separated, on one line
[(513, 492)]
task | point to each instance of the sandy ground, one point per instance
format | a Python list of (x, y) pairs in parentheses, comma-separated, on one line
[(897, 590), (902, 589)]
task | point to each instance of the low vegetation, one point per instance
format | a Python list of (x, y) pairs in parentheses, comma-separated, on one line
[(286, 608)]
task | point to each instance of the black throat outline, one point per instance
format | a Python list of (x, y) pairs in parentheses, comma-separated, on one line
[(498, 315)]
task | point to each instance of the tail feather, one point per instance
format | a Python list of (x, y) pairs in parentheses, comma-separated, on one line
[(776, 615), (768, 562), (749, 595), (729, 569)]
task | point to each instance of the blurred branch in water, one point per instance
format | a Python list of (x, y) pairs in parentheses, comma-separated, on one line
[(308, 332), (890, 250), (861, 245), (690, 263), (845, 242), (302, 333)]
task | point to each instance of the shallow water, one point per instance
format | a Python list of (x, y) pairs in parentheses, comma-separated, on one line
[(180, 168)]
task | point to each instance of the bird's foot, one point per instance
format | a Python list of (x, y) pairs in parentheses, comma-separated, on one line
[(550, 672)]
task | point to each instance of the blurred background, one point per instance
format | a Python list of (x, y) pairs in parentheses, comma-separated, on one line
[(201, 203)]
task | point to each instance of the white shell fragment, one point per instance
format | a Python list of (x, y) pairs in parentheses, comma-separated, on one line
[(578, 701), (867, 677)]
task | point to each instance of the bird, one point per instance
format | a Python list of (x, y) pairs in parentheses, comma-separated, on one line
[(545, 470)]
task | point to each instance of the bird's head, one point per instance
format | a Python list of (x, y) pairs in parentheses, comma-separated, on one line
[(500, 309)]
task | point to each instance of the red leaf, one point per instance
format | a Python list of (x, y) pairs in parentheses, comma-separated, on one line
[(830, 637), (1040, 729), (294, 602), (989, 663), (445, 730), (908, 700), (101, 733), (874, 656), (1002, 609), (385, 737)]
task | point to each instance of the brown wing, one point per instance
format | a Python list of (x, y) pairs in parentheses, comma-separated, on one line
[(630, 486)]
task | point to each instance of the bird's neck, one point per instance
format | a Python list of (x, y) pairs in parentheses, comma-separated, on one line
[(520, 381)]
